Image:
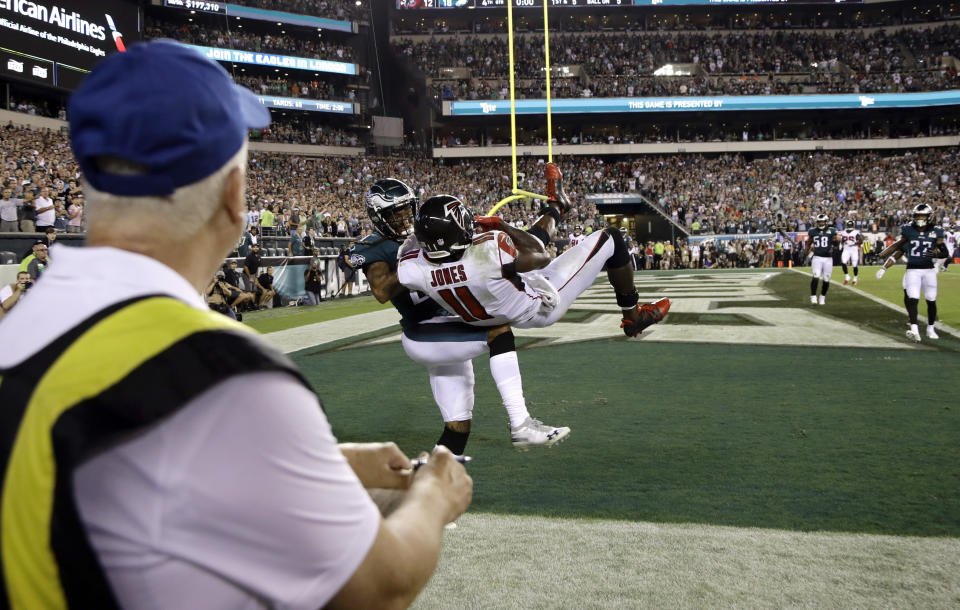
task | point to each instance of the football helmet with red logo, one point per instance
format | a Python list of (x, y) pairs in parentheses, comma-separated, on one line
[(444, 227)]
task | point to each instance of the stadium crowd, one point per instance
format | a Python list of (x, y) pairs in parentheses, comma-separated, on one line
[(332, 9), (940, 79), (288, 87), (718, 132), (304, 132), (283, 44), (675, 19), (706, 194), (614, 64)]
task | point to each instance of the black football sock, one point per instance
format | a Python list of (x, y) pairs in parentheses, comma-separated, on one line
[(455, 441), (931, 312), (911, 309), (813, 287), (856, 271), (845, 270), (825, 288)]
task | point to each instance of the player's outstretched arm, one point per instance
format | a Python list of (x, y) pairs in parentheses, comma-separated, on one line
[(890, 261), (894, 247), (530, 251), (383, 281)]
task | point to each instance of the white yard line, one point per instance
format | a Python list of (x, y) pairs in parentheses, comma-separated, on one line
[(320, 333)]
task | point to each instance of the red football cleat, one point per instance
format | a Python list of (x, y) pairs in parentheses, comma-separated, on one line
[(642, 316), (555, 192), (553, 176)]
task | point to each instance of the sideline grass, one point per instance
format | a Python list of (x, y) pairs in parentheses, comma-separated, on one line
[(848, 305), (890, 289), (282, 318), (504, 561)]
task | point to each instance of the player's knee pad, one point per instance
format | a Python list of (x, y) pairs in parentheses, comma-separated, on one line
[(541, 234), (502, 344), (621, 254)]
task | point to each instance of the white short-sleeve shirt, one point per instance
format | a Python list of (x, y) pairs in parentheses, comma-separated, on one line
[(241, 499)]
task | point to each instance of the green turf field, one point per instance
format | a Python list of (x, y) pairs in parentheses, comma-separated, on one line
[(696, 474), (282, 318), (890, 288)]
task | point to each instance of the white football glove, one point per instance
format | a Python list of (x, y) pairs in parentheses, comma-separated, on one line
[(880, 272), (549, 297)]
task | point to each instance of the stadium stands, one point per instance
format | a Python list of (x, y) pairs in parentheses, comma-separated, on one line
[(724, 194), (623, 63)]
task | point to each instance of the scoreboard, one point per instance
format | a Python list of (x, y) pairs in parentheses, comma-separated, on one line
[(56, 42)]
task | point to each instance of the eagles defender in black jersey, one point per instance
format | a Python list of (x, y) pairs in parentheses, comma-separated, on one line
[(921, 243), (822, 240)]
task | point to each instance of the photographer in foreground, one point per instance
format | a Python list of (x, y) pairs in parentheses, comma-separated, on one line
[(158, 454), (10, 295)]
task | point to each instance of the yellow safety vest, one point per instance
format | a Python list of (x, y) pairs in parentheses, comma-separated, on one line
[(120, 370)]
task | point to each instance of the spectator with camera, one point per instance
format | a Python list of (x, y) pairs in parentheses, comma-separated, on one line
[(313, 282), (230, 285), (11, 294)]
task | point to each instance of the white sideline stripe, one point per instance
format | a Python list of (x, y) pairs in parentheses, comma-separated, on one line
[(514, 561), (318, 333), (940, 325)]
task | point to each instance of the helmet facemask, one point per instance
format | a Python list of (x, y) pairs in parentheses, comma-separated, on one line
[(922, 215), (390, 206)]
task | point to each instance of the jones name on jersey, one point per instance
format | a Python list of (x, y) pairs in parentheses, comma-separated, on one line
[(480, 287)]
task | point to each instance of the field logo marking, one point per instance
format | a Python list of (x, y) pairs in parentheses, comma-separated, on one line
[(703, 310)]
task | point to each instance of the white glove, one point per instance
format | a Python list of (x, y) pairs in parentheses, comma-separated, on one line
[(549, 297), (880, 272)]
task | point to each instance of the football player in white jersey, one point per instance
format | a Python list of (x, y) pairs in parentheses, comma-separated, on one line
[(441, 342), (506, 276), (852, 241), (950, 238), (576, 238)]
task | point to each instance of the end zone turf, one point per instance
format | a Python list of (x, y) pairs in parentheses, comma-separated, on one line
[(695, 474)]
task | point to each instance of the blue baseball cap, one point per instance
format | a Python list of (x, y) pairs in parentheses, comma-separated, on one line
[(164, 106)]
